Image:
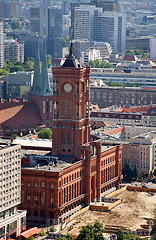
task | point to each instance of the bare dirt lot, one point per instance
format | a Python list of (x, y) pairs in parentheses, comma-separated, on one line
[(131, 213)]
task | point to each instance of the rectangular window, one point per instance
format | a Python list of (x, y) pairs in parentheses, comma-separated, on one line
[(69, 137), (43, 106), (64, 137)]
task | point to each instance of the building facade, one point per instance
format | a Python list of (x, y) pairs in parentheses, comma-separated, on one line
[(108, 96), (79, 171), (139, 43), (110, 27), (13, 51), (90, 54), (12, 221), (1, 45), (140, 153)]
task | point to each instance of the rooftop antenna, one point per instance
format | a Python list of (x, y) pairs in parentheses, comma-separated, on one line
[(71, 44)]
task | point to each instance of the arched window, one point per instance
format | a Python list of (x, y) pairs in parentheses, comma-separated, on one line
[(42, 184), (28, 193), (36, 194), (42, 198), (52, 184), (52, 200), (35, 183), (29, 183)]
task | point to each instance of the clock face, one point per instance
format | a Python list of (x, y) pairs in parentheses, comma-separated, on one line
[(68, 87)]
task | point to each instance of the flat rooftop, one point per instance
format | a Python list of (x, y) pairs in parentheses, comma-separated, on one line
[(55, 166), (33, 142)]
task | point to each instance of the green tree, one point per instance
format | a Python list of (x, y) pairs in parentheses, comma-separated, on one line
[(29, 64), (8, 65), (18, 68), (99, 64), (135, 173), (3, 72), (127, 172), (45, 133), (49, 59), (42, 233), (14, 135), (92, 232), (98, 231), (52, 229), (86, 233), (66, 41), (15, 24), (120, 235), (31, 238)]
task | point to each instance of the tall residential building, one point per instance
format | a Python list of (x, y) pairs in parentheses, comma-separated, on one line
[(12, 221), (84, 22), (13, 51), (1, 46)]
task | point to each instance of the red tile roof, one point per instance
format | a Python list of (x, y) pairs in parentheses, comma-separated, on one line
[(130, 58), (19, 115), (30, 232)]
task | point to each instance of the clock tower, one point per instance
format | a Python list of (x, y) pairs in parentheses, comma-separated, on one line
[(71, 96)]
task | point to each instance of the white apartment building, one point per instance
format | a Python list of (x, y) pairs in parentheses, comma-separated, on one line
[(12, 221), (84, 22), (1, 45), (141, 153), (90, 54), (104, 47)]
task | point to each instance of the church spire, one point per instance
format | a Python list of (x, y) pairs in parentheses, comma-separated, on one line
[(44, 88), (37, 69)]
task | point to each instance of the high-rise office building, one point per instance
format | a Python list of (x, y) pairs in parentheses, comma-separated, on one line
[(1, 46), (110, 27), (55, 23), (47, 21)]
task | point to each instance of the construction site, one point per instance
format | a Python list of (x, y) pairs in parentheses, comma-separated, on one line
[(134, 213)]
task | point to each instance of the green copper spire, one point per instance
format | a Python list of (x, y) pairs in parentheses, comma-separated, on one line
[(37, 70), (44, 88)]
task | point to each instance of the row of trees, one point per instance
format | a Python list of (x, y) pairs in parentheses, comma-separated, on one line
[(27, 66), (120, 84), (95, 232), (99, 64)]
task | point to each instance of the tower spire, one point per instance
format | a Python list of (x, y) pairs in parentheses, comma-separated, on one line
[(44, 88), (37, 69)]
